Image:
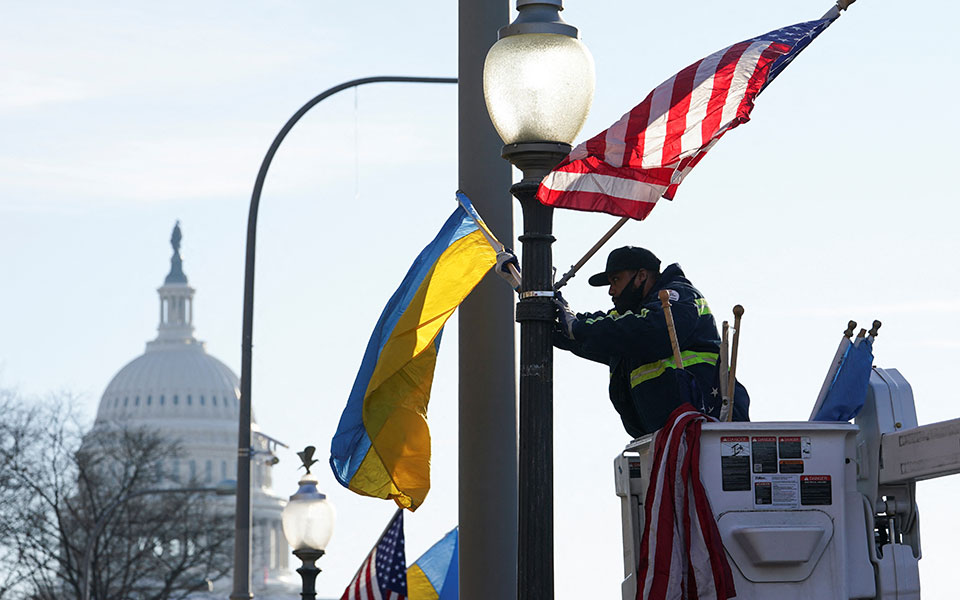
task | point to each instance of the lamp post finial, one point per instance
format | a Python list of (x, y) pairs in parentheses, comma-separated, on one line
[(306, 457)]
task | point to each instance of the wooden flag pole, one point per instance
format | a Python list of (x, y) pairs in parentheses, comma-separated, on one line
[(664, 296), (724, 370), (573, 270), (732, 378)]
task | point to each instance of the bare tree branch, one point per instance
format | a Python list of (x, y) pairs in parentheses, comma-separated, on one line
[(56, 484)]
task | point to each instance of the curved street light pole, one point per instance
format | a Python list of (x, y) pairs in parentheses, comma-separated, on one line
[(222, 490), (241, 548)]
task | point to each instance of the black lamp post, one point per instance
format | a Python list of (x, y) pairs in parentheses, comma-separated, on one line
[(538, 85), (308, 524)]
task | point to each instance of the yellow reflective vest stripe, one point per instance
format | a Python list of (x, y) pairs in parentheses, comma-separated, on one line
[(656, 369), (702, 307)]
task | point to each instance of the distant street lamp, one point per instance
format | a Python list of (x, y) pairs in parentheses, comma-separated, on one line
[(308, 524), (226, 487), (538, 84)]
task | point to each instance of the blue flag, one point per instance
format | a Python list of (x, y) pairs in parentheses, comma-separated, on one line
[(848, 390)]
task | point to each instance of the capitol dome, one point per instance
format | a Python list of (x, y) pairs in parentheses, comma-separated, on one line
[(172, 383), (175, 378), (179, 390)]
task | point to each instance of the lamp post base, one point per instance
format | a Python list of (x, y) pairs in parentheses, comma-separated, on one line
[(309, 571)]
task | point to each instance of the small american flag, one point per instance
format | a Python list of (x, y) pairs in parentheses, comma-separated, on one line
[(383, 575), (624, 170)]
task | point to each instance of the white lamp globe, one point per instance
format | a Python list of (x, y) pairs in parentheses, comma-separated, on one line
[(308, 518), (538, 87)]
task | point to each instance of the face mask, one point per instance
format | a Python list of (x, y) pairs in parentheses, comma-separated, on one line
[(630, 297)]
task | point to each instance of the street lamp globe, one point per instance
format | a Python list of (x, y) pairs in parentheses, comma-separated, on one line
[(308, 518), (308, 524), (538, 79)]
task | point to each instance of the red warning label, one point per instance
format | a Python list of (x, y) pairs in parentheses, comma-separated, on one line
[(815, 490)]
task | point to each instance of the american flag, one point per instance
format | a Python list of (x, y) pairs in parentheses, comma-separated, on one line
[(383, 575), (624, 170), (681, 554)]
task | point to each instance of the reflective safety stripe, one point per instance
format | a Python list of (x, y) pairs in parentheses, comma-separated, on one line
[(615, 316), (702, 307), (656, 369)]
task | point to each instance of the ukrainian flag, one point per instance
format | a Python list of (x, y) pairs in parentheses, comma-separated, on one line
[(434, 575), (382, 445)]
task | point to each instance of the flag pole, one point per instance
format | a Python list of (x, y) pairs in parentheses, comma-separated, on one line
[(836, 9), (732, 377), (573, 270)]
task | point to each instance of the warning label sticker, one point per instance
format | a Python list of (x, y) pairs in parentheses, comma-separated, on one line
[(762, 493), (735, 446), (815, 490), (764, 450), (805, 447), (776, 490), (791, 466), (735, 463), (789, 447)]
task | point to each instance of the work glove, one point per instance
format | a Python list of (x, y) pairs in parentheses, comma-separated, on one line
[(565, 316), (506, 258)]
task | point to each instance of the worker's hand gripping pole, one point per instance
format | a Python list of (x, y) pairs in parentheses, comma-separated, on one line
[(732, 377), (664, 296), (724, 370)]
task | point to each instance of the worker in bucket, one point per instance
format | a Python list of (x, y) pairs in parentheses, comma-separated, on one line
[(633, 340)]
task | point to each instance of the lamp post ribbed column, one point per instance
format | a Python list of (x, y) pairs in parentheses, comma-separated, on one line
[(535, 313)]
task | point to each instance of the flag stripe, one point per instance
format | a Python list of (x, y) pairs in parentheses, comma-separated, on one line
[(677, 119), (614, 150), (654, 135), (693, 136)]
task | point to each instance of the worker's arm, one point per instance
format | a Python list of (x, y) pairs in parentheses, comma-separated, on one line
[(560, 340), (641, 334)]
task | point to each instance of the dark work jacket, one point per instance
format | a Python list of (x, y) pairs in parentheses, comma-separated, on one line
[(636, 346)]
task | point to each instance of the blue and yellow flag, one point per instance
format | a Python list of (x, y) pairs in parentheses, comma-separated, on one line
[(434, 576), (382, 445)]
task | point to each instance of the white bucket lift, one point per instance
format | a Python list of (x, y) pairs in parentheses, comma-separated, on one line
[(811, 510)]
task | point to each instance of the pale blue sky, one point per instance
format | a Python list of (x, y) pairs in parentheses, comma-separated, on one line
[(837, 201)]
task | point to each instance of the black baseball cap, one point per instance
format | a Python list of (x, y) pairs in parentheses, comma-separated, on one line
[(627, 258)]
